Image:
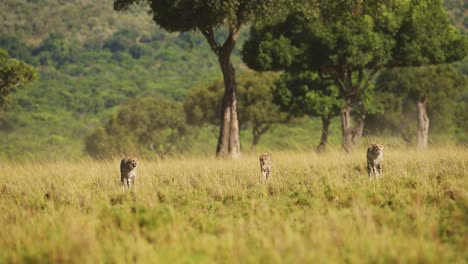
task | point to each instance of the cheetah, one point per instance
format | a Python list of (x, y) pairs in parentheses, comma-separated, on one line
[(128, 171), (375, 160), (266, 165)]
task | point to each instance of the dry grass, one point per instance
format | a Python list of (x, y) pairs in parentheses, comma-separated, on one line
[(314, 209)]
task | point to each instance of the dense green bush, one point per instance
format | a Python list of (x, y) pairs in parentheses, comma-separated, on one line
[(147, 126)]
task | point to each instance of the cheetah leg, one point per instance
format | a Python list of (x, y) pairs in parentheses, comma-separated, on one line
[(379, 171), (374, 173), (125, 183), (369, 171), (129, 182)]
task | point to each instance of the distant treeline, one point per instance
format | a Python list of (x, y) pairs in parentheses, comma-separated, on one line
[(92, 66)]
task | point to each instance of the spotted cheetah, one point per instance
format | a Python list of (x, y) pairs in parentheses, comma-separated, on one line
[(375, 160), (266, 165), (128, 171)]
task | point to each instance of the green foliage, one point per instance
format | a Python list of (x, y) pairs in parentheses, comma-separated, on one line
[(364, 35), (82, 89), (256, 104), (461, 112), (13, 73), (400, 89), (426, 37), (146, 127), (327, 40), (82, 85), (350, 41), (306, 94), (95, 21), (54, 51), (457, 15), (203, 105), (16, 48), (189, 15), (210, 17), (255, 100)]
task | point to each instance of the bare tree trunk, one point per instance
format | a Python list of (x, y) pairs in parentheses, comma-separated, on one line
[(346, 130), (358, 129), (255, 139), (228, 140), (257, 133), (423, 124), (326, 120), (351, 136)]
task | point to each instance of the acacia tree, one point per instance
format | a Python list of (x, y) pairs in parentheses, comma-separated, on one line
[(12, 73), (206, 17), (256, 108), (349, 42), (306, 94)]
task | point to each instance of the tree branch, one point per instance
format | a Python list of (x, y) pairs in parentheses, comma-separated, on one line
[(370, 77), (349, 81), (209, 35), (330, 72), (231, 40), (358, 82)]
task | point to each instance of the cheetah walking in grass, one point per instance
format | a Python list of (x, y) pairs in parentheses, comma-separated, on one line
[(375, 160), (266, 165), (128, 171)]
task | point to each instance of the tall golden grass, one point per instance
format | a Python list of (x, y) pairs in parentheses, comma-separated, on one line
[(316, 209)]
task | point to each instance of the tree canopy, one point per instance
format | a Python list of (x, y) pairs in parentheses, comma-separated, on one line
[(13, 73), (304, 93), (348, 42)]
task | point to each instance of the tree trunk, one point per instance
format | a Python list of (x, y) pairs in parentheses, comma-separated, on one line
[(423, 124), (255, 138), (228, 140), (326, 120), (358, 129), (351, 136), (346, 130)]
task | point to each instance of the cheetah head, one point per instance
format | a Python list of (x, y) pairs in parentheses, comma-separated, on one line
[(377, 148), (131, 162)]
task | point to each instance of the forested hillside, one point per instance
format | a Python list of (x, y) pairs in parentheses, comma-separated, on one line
[(91, 59), (458, 13)]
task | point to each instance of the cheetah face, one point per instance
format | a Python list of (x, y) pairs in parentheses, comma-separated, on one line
[(134, 163), (131, 163), (377, 148)]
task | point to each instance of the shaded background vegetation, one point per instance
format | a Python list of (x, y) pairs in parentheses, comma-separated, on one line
[(92, 60)]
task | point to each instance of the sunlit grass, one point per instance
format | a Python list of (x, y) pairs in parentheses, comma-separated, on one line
[(316, 208)]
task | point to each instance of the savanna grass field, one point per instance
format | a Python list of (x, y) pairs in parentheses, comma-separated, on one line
[(315, 209)]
